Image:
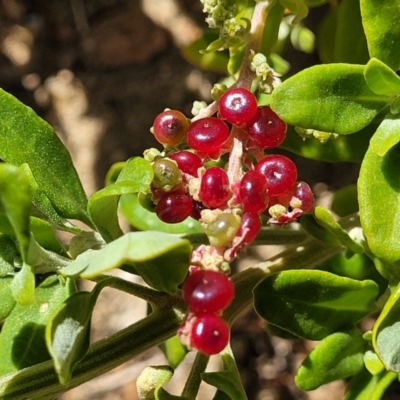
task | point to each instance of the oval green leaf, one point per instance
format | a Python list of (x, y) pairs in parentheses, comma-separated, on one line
[(325, 218), (378, 196), (149, 384), (162, 260), (16, 198), (26, 138), (386, 333), (313, 304), (22, 339), (135, 177), (23, 285), (387, 135), (350, 44), (8, 253), (382, 29), (373, 363), (68, 331), (365, 386), (331, 98), (7, 299), (338, 356), (381, 79), (228, 379)]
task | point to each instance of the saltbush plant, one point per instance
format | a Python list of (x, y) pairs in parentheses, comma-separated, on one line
[(213, 188)]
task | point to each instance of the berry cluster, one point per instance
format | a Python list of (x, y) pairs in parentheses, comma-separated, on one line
[(228, 201), (195, 177), (207, 294)]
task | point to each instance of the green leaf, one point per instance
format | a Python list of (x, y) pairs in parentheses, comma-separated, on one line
[(15, 199), (174, 351), (331, 98), (135, 177), (162, 260), (144, 220), (350, 43), (342, 148), (214, 61), (382, 29), (8, 254), (150, 383), (297, 7), (271, 29), (326, 36), (357, 266), (22, 339), (68, 331), (42, 206), (310, 225), (325, 219), (378, 195), (228, 380), (45, 236), (23, 285), (313, 304), (381, 79), (386, 333), (26, 138), (365, 386), (302, 39), (373, 363), (7, 299), (338, 356), (345, 200), (386, 136)]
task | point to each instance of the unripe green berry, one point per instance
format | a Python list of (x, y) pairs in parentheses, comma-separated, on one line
[(166, 174)]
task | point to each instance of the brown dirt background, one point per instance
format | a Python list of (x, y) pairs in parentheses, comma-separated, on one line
[(100, 71)]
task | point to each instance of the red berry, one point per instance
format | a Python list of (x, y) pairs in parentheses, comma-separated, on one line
[(280, 173), (303, 192), (208, 291), (170, 127), (207, 135), (237, 106), (198, 207), (214, 188), (253, 192), (210, 334), (266, 129), (187, 161), (251, 224), (174, 207)]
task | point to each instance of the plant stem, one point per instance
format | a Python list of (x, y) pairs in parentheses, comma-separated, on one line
[(253, 44), (194, 379), (41, 380), (148, 294)]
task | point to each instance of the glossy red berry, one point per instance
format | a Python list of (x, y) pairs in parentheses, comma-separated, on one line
[(266, 129), (303, 197), (214, 188), (237, 106), (249, 227), (210, 334), (279, 171), (207, 135), (170, 127), (187, 161), (208, 291), (174, 207), (253, 191)]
